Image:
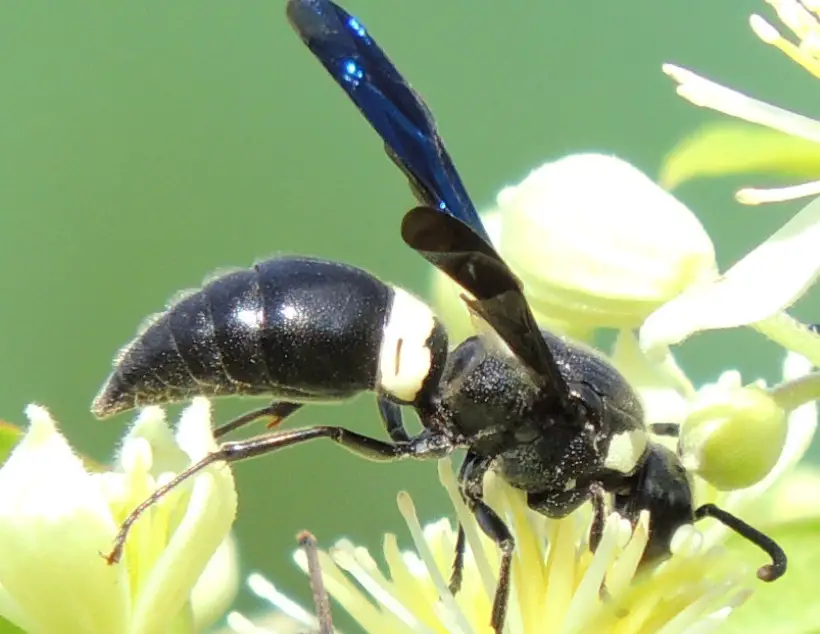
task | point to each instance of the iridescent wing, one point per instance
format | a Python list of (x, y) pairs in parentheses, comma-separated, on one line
[(357, 63), (446, 230)]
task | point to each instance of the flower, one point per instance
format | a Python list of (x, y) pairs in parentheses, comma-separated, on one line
[(790, 145), (558, 584), (56, 518), (595, 243), (735, 437), (756, 290)]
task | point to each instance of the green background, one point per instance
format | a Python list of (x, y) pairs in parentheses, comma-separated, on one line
[(146, 144)]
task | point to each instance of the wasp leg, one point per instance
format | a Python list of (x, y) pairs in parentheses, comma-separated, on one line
[(472, 489), (421, 447), (596, 530), (277, 411), (457, 574), (392, 419)]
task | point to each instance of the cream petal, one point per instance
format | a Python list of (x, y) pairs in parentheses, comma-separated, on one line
[(596, 241), (152, 426), (755, 196), (663, 395), (203, 527), (216, 589), (54, 521), (768, 280), (708, 94)]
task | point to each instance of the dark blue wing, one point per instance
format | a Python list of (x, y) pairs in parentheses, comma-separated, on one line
[(447, 231), (392, 107)]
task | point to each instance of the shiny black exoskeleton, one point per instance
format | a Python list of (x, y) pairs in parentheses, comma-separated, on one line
[(554, 419), (296, 327)]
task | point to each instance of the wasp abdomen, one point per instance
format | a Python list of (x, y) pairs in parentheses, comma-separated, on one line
[(293, 327), (324, 323), (218, 335)]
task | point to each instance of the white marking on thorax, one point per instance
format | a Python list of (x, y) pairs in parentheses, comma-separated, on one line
[(404, 357), (625, 450)]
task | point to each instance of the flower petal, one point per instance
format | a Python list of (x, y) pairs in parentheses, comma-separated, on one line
[(738, 148), (54, 522), (204, 526), (708, 94), (768, 280), (166, 454), (216, 589), (663, 389), (597, 243), (757, 196)]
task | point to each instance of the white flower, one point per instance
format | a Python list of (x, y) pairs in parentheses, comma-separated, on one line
[(56, 518), (754, 292), (596, 244), (556, 581)]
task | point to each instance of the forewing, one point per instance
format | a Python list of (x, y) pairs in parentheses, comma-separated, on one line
[(447, 231), (387, 101), (458, 251)]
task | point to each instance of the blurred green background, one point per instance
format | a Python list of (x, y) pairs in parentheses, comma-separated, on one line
[(146, 144)]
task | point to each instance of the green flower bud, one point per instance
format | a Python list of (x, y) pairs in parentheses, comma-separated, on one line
[(733, 437)]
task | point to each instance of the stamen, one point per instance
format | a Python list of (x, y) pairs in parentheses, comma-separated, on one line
[(753, 196), (408, 575), (587, 595), (346, 593), (686, 541), (561, 566), (795, 16), (265, 590), (691, 618), (408, 511), (623, 570), (373, 582), (800, 54), (708, 94), (242, 625)]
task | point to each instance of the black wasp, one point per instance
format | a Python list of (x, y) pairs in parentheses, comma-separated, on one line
[(553, 419)]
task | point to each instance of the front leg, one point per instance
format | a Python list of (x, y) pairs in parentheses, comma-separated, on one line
[(559, 504), (471, 478)]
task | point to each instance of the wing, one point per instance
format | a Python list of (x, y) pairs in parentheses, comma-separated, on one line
[(387, 101), (454, 248), (447, 230)]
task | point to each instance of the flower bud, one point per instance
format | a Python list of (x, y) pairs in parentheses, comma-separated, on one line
[(599, 244), (733, 437)]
